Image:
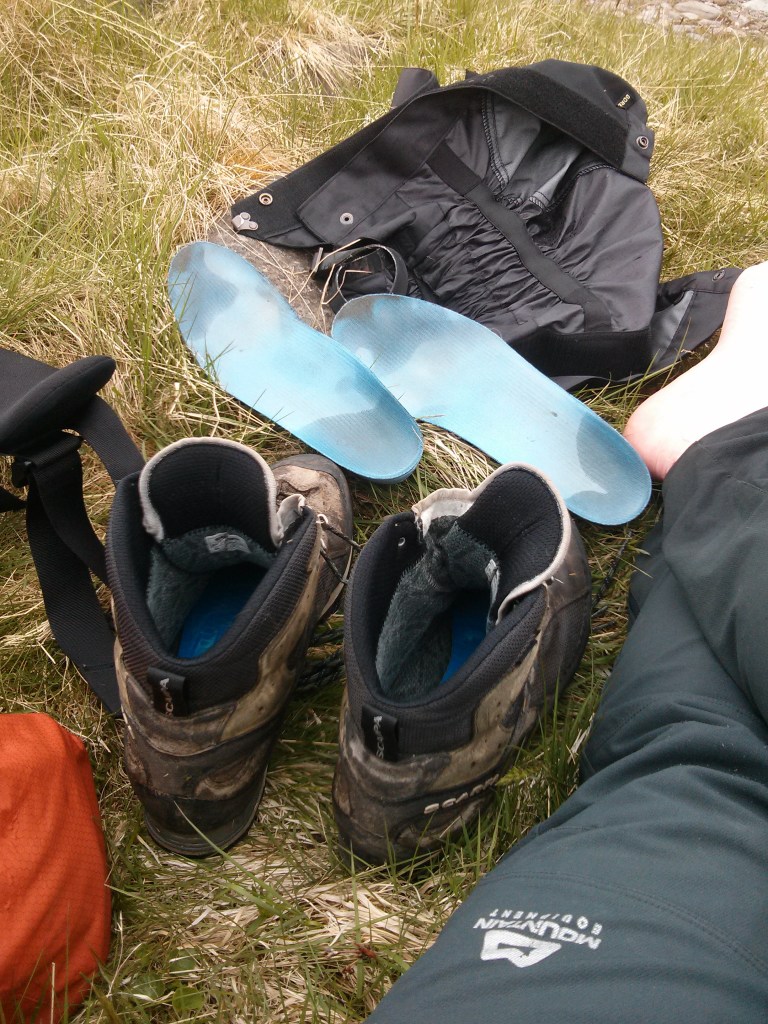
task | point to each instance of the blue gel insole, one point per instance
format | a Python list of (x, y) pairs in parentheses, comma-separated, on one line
[(453, 372), (469, 618), (216, 609), (244, 332)]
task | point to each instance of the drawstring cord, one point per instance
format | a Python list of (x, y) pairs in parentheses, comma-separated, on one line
[(325, 525)]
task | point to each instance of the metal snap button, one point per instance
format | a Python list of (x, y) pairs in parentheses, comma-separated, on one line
[(265, 198), (347, 218), (243, 220), (643, 141)]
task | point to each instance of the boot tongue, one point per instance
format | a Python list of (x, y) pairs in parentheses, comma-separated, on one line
[(216, 495), (509, 531)]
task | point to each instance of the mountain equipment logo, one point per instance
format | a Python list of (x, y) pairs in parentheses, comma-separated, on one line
[(503, 939), (518, 949)]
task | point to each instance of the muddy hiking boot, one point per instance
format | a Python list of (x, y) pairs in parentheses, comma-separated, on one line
[(463, 617), (322, 485), (219, 573)]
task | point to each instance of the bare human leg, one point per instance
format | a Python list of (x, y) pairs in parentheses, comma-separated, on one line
[(731, 382)]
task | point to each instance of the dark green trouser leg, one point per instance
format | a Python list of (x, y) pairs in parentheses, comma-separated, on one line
[(645, 896)]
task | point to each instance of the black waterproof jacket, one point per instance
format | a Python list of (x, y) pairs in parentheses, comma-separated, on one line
[(517, 198)]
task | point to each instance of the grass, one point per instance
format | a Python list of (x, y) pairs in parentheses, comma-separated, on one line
[(125, 129)]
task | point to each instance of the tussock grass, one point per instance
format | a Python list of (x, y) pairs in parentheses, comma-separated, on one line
[(125, 128)]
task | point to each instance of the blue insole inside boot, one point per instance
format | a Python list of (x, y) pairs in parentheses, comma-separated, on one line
[(217, 608), (469, 617)]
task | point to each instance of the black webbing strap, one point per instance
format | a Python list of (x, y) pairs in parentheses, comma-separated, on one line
[(9, 502), (462, 179), (45, 414), (74, 613), (55, 475), (339, 266)]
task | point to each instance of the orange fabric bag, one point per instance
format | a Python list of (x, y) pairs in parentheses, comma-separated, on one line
[(54, 900)]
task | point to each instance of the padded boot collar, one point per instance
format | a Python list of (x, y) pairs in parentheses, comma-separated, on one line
[(278, 520)]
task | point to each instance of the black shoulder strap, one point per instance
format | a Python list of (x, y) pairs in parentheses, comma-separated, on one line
[(45, 414)]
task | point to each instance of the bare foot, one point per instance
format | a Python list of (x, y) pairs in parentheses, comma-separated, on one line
[(731, 382)]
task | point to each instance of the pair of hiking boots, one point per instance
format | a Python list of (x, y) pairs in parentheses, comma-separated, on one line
[(461, 618)]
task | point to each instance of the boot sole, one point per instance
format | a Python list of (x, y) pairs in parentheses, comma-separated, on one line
[(194, 844), (426, 833)]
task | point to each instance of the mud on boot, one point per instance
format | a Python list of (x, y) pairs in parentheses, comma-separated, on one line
[(463, 617), (217, 588)]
